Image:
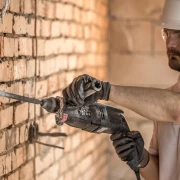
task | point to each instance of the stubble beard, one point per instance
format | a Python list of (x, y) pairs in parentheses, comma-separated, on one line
[(174, 59)]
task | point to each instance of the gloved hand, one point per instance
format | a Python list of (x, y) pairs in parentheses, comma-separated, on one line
[(75, 92), (130, 148)]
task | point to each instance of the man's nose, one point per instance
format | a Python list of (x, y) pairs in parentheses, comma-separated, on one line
[(172, 41)]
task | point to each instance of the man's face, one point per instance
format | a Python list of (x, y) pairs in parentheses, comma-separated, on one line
[(172, 38)]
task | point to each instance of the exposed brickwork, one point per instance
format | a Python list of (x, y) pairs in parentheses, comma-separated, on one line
[(43, 46)]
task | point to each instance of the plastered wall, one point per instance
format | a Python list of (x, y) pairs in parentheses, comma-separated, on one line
[(44, 44), (137, 58)]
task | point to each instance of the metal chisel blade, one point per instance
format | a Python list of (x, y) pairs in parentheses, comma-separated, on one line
[(20, 98)]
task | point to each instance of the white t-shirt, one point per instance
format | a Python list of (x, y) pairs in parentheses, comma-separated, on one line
[(165, 143)]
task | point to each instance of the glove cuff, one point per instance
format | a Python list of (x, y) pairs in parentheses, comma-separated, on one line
[(106, 86), (145, 159)]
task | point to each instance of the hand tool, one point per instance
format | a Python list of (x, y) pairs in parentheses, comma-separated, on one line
[(95, 118)]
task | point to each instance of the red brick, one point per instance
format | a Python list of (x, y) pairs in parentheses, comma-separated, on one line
[(41, 47), (2, 142), (20, 25), (62, 80), (16, 41), (17, 136), (63, 165), (103, 48), (77, 14), (1, 46), (68, 175), (6, 69), (80, 31), (68, 12), (87, 32), (50, 9), (69, 77), (73, 30), (6, 27), (27, 171), (45, 161), (92, 46), (14, 176), (59, 13), (72, 62), (9, 47), (29, 89), (31, 68), (30, 151), (19, 69), (21, 113), (68, 144), (25, 46), (31, 111), (20, 156), (53, 84), (52, 173), (49, 121), (41, 89), (75, 140), (23, 133), (58, 153), (47, 67), (61, 63), (11, 140), (41, 8), (79, 46), (5, 162), (31, 27), (45, 28), (56, 48), (68, 46), (38, 27), (28, 6), (15, 6), (55, 29), (80, 3), (81, 62), (17, 88), (5, 122), (65, 28)]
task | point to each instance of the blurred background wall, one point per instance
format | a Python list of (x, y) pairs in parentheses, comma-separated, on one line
[(137, 58)]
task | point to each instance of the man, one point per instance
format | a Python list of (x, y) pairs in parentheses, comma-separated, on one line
[(162, 106)]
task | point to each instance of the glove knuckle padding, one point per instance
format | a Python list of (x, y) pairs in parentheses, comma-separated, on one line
[(116, 136), (123, 142), (127, 154)]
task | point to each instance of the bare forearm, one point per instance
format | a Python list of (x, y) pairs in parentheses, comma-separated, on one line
[(151, 171), (152, 103)]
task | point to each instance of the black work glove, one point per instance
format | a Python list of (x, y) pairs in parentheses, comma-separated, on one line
[(75, 92), (130, 148)]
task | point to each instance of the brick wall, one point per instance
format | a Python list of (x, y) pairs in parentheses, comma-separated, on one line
[(44, 44), (137, 57)]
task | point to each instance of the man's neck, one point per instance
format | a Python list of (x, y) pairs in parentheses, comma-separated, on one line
[(176, 87)]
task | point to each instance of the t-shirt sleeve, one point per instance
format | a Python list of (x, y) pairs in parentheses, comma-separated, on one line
[(153, 148)]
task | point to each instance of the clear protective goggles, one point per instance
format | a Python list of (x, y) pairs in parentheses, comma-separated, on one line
[(167, 33)]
